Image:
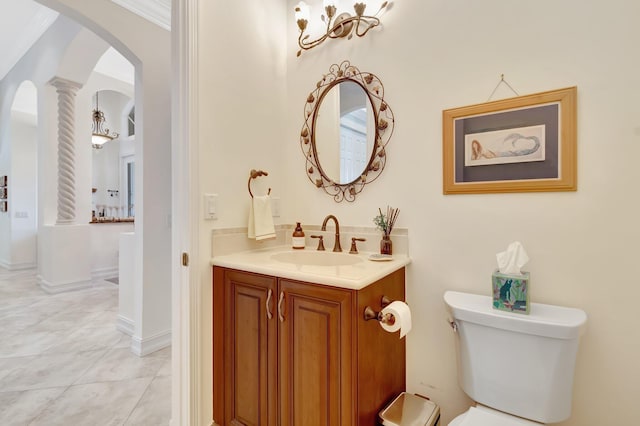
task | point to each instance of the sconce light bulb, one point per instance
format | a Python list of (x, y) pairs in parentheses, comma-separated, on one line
[(302, 24), (331, 11), (359, 7), (329, 7)]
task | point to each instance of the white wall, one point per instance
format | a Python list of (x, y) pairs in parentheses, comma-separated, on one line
[(37, 65), (18, 147), (242, 110), (5, 219), (105, 249), (433, 55), (22, 199), (5, 169)]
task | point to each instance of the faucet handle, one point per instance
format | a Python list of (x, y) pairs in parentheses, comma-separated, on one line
[(354, 249), (320, 243)]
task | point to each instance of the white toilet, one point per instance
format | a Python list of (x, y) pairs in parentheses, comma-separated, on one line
[(518, 368)]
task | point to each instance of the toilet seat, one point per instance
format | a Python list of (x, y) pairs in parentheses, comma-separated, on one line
[(485, 416)]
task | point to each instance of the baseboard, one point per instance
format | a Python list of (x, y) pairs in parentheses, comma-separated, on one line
[(104, 273), (17, 266), (142, 347), (62, 287), (125, 325)]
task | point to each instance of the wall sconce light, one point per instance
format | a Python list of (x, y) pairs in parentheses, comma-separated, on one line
[(342, 25)]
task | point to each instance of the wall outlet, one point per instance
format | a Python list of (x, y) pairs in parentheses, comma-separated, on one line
[(22, 215)]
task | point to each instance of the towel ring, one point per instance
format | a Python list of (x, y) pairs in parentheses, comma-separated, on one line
[(253, 175)]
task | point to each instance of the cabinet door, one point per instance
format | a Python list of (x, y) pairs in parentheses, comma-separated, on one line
[(316, 362), (250, 355)]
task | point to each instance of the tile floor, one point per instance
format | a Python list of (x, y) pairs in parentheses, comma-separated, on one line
[(63, 362)]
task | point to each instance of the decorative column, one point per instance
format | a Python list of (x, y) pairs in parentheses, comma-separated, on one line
[(66, 90), (68, 269)]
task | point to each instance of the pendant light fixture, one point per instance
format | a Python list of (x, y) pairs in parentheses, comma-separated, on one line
[(100, 135)]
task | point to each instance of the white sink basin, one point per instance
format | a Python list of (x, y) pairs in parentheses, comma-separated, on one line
[(343, 270), (317, 258)]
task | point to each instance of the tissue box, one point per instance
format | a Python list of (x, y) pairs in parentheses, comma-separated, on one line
[(511, 292)]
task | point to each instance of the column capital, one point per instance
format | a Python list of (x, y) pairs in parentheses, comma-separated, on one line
[(62, 83)]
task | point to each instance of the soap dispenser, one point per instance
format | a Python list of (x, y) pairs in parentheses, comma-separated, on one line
[(297, 239)]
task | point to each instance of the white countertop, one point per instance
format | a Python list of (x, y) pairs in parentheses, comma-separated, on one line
[(354, 277)]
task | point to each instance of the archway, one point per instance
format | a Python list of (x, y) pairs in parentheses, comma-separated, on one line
[(190, 393), (132, 36)]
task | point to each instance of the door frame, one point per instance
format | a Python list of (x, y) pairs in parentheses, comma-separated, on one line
[(187, 385)]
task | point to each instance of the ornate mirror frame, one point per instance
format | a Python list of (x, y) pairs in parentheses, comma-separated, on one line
[(383, 117)]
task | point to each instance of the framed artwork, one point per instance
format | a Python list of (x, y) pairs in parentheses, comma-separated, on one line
[(3, 206), (3, 192), (3, 181), (521, 144)]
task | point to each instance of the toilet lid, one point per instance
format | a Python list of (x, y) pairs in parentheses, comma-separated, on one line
[(486, 417)]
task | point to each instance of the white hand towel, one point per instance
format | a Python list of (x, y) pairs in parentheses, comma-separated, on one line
[(260, 224)]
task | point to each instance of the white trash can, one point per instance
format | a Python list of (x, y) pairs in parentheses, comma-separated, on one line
[(410, 410)]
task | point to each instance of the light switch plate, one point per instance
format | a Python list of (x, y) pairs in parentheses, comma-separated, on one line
[(275, 206), (210, 206)]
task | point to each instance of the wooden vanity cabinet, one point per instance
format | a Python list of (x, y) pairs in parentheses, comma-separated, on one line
[(249, 348), (293, 353)]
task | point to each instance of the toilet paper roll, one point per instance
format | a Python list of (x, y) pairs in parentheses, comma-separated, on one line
[(402, 315)]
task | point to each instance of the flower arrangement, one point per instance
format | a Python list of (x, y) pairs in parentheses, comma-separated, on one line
[(385, 222)]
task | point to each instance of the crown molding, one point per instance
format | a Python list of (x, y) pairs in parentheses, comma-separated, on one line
[(156, 11)]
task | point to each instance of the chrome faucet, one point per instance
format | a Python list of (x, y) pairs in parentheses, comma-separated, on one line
[(336, 244)]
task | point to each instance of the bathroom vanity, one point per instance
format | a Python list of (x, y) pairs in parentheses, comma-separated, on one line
[(290, 342)]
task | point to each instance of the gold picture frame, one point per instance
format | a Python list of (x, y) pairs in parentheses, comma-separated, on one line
[(521, 144)]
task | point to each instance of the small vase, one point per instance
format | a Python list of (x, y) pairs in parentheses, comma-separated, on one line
[(386, 245)]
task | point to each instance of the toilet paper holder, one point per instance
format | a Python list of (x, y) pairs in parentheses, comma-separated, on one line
[(370, 314)]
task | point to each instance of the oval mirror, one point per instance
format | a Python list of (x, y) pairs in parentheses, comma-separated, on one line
[(347, 126), (344, 132)]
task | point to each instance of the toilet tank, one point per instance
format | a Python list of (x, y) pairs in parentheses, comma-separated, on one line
[(519, 364)]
